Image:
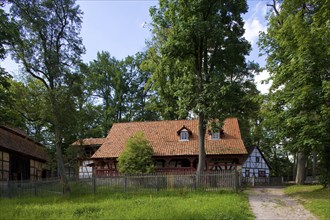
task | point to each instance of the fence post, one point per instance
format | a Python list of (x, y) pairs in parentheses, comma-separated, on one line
[(236, 173), (94, 184), (125, 183), (157, 183), (253, 181), (35, 187), (195, 181), (9, 188)]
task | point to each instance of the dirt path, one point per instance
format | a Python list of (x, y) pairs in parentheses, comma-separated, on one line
[(272, 203)]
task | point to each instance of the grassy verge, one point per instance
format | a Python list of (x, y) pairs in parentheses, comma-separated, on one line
[(157, 205), (313, 197)]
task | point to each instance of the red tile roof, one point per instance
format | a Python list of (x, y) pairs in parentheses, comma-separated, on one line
[(17, 141), (89, 142), (164, 139)]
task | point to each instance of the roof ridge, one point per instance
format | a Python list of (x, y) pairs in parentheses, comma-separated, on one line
[(130, 122), (21, 133)]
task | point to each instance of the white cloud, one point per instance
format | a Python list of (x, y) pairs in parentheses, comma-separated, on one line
[(261, 9), (252, 28), (263, 87), (255, 22)]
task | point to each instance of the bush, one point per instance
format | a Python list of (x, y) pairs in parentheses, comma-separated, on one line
[(137, 156)]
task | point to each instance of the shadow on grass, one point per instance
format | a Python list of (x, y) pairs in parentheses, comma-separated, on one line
[(309, 192)]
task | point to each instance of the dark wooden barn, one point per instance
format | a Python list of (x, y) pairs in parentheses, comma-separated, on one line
[(21, 158)]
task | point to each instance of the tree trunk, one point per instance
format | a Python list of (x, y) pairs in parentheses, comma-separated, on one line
[(58, 143), (201, 143), (276, 163), (294, 166), (314, 166), (59, 158), (301, 167)]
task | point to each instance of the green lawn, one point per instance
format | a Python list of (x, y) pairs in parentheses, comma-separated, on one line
[(313, 197), (155, 205)]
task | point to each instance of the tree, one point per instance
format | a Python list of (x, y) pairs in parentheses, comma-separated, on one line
[(298, 62), (138, 94), (201, 51), (121, 87), (49, 47), (137, 156), (8, 32), (105, 80), (6, 98)]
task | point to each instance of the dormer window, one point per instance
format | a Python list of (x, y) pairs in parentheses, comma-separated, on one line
[(215, 135), (184, 133)]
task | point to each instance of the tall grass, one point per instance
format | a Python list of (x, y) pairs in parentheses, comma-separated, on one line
[(177, 204), (315, 198)]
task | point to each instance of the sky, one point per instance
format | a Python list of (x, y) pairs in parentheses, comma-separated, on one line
[(122, 27)]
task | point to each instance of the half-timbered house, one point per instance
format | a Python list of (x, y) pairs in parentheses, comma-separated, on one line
[(175, 146), (85, 148), (255, 164), (21, 158)]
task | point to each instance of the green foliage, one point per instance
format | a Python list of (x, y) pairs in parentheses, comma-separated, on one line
[(137, 156), (8, 32), (298, 63), (197, 57), (104, 80), (313, 197), (138, 94), (121, 86), (154, 205), (5, 97), (49, 48)]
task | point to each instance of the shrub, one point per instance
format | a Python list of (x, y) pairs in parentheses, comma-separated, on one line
[(137, 156)]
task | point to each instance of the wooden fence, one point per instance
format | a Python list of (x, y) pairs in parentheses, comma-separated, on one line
[(189, 181), (218, 180), (262, 181), (30, 188)]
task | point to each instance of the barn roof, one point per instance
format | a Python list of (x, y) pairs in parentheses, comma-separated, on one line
[(164, 138), (89, 142), (17, 141)]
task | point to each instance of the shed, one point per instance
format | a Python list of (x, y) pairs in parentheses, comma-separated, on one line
[(21, 157)]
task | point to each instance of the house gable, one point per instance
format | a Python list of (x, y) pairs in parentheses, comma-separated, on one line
[(85, 148), (255, 164)]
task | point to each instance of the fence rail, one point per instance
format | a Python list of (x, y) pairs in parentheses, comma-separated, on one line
[(30, 188), (188, 181), (262, 181), (159, 181)]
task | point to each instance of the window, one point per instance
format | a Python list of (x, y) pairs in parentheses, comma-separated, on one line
[(184, 135), (215, 135), (247, 173), (179, 163), (160, 163), (257, 159), (4, 166), (261, 173)]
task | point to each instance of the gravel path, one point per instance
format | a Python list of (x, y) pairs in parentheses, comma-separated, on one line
[(272, 203)]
